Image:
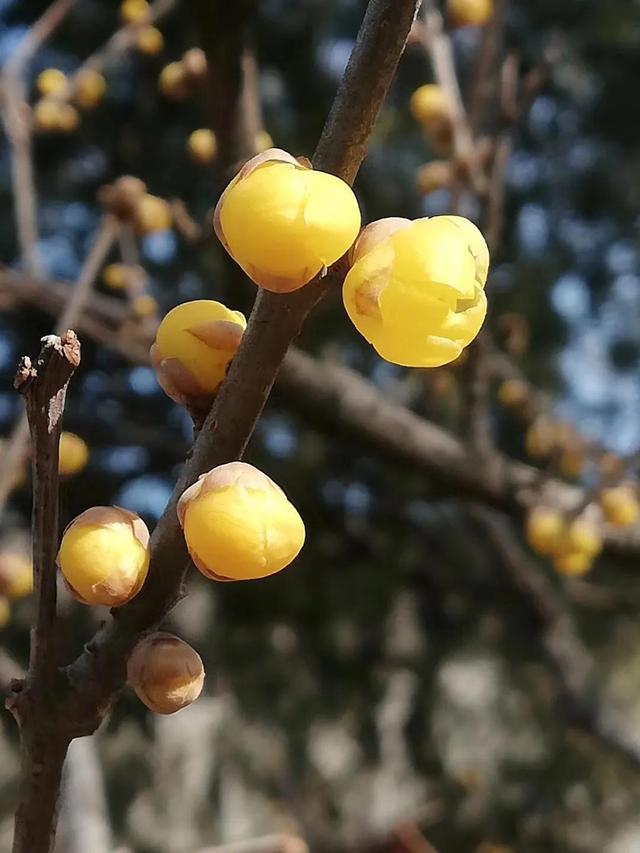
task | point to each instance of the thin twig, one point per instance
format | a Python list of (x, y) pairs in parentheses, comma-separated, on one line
[(438, 46), (16, 449), (17, 123)]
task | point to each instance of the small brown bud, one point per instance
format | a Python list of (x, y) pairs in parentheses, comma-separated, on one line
[(166, 673)]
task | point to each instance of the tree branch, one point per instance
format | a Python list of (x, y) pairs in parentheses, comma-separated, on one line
[(560, 641), (334, 397), (276, 320), (43, 740)]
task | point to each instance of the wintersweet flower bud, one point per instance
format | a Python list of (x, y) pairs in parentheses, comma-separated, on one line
[(433, 176), (238, 524), (194, 344), (165, 672), (152, 214), (53, 82), (149, 41), (620, 505), (283, 222), (104, 555), (172, 81), (16, 574), (89, 87), (202, 146), (417, 294), (194, 63), (5, 612), (51, 115), (134, 11), (73, 454), (513, 393), (572, 563), (144, 305), (544, 529), (429, 105), (469, 13), (118, 276)]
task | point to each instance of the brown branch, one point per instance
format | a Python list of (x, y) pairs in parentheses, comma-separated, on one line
[(43, 740), (334, 397), (559, 638), (17, 449), (276, 320), (17, 123), (438, 47)]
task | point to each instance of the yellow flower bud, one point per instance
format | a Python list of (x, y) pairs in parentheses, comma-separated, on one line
[(152, 214), (283, 222), (5, 611), (165, 672), (134, 11), (238, 524), (89, 88), (16, 574), (620, 505), (544, 529), (572, 562), (73, 454), (149, 41), (172, 81), (68, 119), (540, 439), (263, 141), (116, 276), (144, 305), (429, 105), (47, 115), (104, 555), (202, 146), (417, 295), (469, 13), (582, 535), (194, 63), (53, 82), (434, 176), (571, 462), (513, 393), (194, 344)]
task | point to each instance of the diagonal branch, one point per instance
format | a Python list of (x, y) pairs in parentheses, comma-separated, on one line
[(559, 638), (276, 320)]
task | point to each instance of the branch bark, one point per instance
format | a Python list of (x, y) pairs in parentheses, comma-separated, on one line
[(44, 739), (99, 672)]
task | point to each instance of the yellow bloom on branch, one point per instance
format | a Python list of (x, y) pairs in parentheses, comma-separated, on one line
[(53, 82), (89, 88), (283, 222), (194, 344), (73, 454), (238, 524), (469, 13), (429, 105), (416, 289), (165, 672), (104, 555), (16, 574), (620, 505), (544, 529)]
